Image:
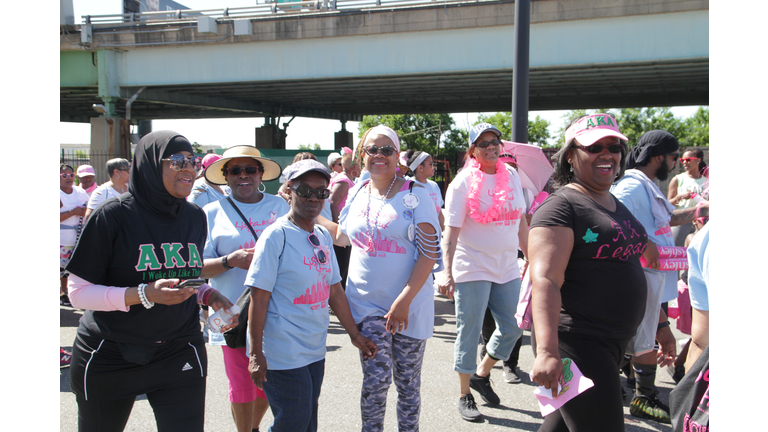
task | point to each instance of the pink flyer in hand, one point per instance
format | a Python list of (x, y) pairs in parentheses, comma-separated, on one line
[(668, 264), (571, 384), (672, 252)]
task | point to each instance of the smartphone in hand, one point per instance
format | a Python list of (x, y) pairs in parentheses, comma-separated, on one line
[(194, 283)]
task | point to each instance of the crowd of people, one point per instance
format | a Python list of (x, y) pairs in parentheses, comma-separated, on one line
[(173, 238)]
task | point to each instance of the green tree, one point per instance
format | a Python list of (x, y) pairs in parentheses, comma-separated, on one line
[(197, 148), (314, 146), (538, 132), (697, 128), (502, 121), (538, 129), (416, 131), (633, 122)]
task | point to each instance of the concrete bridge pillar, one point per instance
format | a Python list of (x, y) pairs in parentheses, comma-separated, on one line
[(343, 138), (110, 138), (110, 133), (270, 136)]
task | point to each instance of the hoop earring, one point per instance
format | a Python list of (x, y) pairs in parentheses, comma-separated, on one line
[(262, 188)]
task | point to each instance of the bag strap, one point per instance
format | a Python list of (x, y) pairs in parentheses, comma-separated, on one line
[(255, 237)]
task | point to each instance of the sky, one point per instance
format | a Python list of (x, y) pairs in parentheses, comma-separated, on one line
[(228, 132)]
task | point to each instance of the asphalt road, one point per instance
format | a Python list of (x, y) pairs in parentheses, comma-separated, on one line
[(339, 401)]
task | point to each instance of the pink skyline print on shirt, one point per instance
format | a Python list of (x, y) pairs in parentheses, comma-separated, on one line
[(317, 295), (380, 244)]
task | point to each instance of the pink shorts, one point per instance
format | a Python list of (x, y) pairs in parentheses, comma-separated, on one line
[(241, 387)]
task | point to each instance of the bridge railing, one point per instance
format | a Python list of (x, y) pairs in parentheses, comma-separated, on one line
[(268, 10)]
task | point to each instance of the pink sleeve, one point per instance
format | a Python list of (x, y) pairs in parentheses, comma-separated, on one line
[(85, 295)]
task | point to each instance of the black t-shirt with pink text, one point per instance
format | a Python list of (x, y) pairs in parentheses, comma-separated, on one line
[(604, 290), (124, 246)]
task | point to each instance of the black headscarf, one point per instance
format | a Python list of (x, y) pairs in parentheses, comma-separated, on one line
[(652, 143), (146, 181)]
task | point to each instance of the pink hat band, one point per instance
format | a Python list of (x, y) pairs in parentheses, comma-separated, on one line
[(593, 128)]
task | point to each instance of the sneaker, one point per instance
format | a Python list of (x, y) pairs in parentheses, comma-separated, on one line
[(510, 375), (482, 385), (64, 300), (649, 408), (468, 408), (65, 358)]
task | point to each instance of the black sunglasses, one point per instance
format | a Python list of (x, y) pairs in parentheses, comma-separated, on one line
[(237, 170), (486, 144), (319, 253), (385, 151), (598, 148), (306, 192), (179, 162)]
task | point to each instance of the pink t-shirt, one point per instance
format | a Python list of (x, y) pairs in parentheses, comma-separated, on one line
[(341, 178), (485, 252)]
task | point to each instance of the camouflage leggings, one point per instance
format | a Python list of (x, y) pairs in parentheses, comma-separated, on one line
[(399, 355)]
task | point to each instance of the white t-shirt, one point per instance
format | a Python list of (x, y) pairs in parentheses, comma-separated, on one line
[(376, 278), (227, 233), (78, 197), (101, 194), (285, 264), (434, 193), (485, 252)]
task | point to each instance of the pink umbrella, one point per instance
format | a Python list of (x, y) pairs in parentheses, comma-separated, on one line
[(532, 165)]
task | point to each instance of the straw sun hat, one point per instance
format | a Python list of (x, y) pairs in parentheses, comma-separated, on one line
[(215, 175)]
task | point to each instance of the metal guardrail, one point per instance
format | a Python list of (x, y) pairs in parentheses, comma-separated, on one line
[(268, 10)]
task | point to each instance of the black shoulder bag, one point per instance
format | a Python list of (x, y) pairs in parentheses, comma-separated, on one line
[(235, 337)]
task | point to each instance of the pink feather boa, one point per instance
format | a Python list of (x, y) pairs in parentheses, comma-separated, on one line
[(499, 193)]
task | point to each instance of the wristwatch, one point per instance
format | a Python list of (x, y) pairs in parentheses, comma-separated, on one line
[(225, 264)]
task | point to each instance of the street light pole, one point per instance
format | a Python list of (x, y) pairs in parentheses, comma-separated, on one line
[(520, 71)]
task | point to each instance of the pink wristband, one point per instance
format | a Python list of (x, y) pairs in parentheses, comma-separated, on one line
[(202, 299), (207, 296)]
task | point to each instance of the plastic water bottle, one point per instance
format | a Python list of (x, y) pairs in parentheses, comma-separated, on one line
[(221, 318)]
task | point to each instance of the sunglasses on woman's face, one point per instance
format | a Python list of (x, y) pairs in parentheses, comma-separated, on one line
[(250, 170), (67, 175), (688, 159), (305, 192), (486, 144), (702, 220), (179, 162), (598, 148), (319, 253), (385, 151)]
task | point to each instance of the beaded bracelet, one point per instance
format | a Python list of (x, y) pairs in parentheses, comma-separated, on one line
[(143, 297)]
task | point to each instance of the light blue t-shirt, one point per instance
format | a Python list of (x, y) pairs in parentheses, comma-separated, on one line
[(285, 264), (434, 192), (376, 278), (632, 193), (698, 270), (227, 233), (203, 194)]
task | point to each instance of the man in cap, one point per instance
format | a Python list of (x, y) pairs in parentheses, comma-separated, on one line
[(87, 178), (653, 158)]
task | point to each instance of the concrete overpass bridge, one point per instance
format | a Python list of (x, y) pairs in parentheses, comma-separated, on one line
[(349, 58)]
